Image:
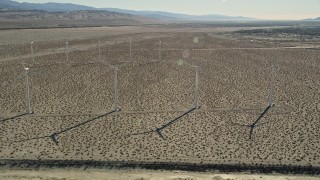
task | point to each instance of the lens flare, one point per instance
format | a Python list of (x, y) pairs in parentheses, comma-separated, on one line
[(185, 54), (138, 122), (180, 62), (195, 40)]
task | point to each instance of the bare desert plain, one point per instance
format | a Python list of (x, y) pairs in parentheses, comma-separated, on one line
[(176, 95)]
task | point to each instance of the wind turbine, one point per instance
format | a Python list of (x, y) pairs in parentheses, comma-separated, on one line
[(115, 83), (195, 106), (116, 101), (67, 52), (266, 110), (160, 49), (130, 49), (33, 57), (116, 108), (99, 49), (196, 89), (27, 95), (27, 90)]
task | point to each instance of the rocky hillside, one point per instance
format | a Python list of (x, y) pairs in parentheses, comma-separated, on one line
[(18, 18), (72, 15)]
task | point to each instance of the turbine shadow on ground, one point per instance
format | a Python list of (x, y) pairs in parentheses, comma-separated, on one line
[(53, 136), (255, 123), (14, 117), (159, 129)]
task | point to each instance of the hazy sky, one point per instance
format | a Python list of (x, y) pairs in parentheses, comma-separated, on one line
[(265, 9)]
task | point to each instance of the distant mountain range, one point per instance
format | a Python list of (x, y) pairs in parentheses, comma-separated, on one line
[(24, 14), (51, 7), (66, 7), (177, 16), (35, 19), (315, 19)]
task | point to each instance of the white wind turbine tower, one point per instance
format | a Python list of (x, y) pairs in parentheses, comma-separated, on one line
[(99, 49), (130, 49), (270, 103), (193, 108), (27, 94), (196, 91), (27, 89), (160, 49), (67, 52), (33, 57), (267, 109), (116, 101)]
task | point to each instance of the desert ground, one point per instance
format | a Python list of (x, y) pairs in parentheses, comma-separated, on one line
[(137, 174), (74, 83)]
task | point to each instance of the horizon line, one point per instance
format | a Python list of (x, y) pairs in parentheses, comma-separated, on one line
[(181, 13)]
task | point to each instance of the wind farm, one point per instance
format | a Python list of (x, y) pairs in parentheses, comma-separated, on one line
[(177, 100)]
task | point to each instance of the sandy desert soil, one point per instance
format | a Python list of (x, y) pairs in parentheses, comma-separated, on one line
[(72, 174), (28, 35), (75, 85)]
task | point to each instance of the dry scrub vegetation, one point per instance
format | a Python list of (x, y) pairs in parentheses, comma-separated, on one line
[(234, 88)]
